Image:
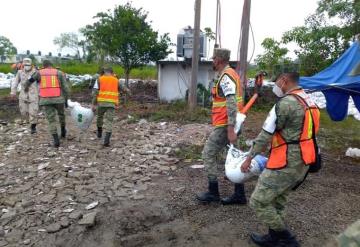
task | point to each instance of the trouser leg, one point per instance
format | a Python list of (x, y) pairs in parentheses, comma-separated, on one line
[(214, 144), (108, 119), (33, 112), (50, 114)]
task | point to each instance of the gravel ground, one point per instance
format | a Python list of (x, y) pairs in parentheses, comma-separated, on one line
[(137, 193)]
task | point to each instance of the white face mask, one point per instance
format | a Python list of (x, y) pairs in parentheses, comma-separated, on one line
[(27, 67), (277, 91)]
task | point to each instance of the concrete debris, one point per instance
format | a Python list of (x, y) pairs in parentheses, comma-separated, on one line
[(55, 227), (197, 166), (92, 205), (44, 190), (88, 219)]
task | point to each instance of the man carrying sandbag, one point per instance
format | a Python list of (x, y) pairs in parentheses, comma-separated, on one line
[(291, 124)]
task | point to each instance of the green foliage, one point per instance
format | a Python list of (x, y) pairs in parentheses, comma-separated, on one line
[(5, 68), (320, 41), (125, 35), (274, 54), (6, 48)]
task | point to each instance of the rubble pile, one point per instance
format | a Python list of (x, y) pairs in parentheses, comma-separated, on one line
[(144, 91), (45, 190)]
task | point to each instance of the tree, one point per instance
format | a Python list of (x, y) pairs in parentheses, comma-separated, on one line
[(70, 41), (6, 48), (273, 55), (210, 35), (321, 42), (125, 36)]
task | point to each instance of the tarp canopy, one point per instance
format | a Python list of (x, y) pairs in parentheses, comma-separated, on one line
[(338, 82)]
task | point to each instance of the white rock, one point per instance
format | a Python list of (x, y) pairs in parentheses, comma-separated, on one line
[(43, 165), (92, 205), (197, 166)]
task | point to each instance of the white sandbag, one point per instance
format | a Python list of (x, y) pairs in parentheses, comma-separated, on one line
[(81, 116), (353, 152), (235, 159)]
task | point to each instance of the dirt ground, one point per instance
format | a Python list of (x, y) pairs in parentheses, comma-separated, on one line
[(144, 194)]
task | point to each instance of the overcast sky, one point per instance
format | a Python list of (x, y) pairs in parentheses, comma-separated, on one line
[(32, 25)]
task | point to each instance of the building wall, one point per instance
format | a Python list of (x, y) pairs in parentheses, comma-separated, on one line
[(174, 79)]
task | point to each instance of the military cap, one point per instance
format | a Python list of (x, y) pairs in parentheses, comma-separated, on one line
[(222, 54)]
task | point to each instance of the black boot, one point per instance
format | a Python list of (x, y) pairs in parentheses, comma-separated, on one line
[(107, 139), (56, 140), (212, 195), (33, 128), (63, 132), (237, 198), (99, 132), (275, 239)]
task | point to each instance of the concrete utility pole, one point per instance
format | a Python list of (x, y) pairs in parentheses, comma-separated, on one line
[(195, 57), (245, 23)]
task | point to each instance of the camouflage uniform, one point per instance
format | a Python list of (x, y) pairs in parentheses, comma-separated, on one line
[(28, 100), (269, 198), (54, 105), (218, 140), (349, 238)]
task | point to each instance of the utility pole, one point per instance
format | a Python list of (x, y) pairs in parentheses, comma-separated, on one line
[(245, 23), (195, 57)]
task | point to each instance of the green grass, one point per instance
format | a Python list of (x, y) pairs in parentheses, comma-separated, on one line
[(76, 68), (338, 136), (173, 112), (5, 68), (4, 92), (190, 152)]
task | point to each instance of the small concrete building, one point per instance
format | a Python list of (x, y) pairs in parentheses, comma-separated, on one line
[(174, 78)]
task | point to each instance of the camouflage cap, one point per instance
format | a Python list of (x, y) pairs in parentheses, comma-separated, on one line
[(221, 53), (27, 61)]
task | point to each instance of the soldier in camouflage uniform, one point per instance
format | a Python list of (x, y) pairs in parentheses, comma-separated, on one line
[(269, 198), (106, 97), (28, 97), (53, 97), (227, 101)]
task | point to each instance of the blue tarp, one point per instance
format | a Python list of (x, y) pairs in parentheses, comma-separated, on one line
[(338, 82)]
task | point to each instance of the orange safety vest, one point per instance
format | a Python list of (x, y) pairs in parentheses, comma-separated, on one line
[(219, 111), (108, 89), (278, 153), (49, 83)]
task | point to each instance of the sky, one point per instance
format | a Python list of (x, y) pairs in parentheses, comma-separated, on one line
[(33, 25)]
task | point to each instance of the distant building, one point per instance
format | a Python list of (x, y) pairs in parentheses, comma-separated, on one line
[(38, 57)]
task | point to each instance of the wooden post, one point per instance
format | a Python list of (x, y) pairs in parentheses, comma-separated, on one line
[(195, 57), (245, 23)]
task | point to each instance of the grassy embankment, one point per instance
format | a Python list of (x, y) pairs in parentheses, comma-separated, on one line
[(145, 73)]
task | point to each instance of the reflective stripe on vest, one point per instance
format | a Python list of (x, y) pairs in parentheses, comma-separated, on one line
[(278, 153), (219, 110), (49, 83), (108, 89)]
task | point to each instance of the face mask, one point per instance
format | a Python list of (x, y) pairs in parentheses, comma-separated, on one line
[(27, 67), (277, 91)]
